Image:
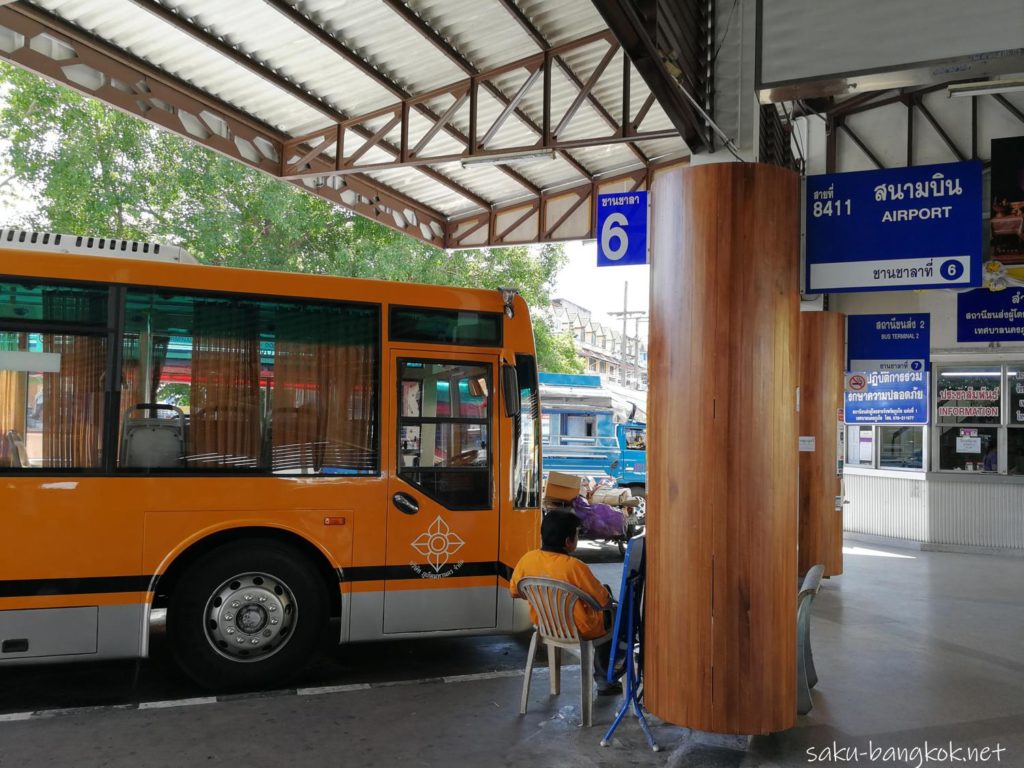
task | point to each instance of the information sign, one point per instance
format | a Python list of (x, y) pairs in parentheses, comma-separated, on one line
[(894, 229), (887, 398), (985, 315), (622, 229), (887, 342)]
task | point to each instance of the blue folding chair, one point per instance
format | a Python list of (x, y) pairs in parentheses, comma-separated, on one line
[(626, 636)]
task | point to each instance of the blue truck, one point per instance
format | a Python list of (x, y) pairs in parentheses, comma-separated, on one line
[(593, 430)]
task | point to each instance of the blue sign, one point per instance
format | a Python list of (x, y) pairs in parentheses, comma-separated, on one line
[(894, 229), (621, 229), (888, 342), (985, 315), (878, 397)]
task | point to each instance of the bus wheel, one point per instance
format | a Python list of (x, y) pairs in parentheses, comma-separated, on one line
[(246, 614)]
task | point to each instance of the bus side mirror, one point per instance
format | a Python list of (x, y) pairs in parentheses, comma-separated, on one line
[(510, 385)]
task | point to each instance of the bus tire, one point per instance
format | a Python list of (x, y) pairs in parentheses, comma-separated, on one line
[(246, 614)]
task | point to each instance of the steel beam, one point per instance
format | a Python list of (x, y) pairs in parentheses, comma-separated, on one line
[(863, 147), (473, 145), (420, 25), (140, 89), (636, 42), (1009, 106), (535, 34), (939, 129), (261, 70)]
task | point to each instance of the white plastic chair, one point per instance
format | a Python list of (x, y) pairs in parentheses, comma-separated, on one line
[(806, 674), (553, 602)]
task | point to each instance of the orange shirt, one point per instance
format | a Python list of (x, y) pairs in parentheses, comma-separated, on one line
[(554, 565)]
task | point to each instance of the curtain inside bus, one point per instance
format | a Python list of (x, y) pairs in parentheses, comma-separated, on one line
[(13, 400), (323, 383), (283, 386), (225, 397), (73, 397)]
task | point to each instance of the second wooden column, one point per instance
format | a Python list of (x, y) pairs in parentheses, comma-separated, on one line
[(822, 360)]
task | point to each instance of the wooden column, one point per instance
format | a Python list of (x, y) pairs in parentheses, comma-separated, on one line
[(822, 361), (722, 529)]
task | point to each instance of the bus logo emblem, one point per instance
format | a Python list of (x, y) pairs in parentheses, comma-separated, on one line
[(438, 544)]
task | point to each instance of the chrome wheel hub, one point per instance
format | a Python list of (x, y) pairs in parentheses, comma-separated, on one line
[(250, 617)]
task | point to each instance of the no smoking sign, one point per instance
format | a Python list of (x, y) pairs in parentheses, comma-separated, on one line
[(856, 382)]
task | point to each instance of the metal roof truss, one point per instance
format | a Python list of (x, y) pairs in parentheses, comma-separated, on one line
[(478, 118)]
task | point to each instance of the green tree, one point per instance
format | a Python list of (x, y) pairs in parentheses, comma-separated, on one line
[(556, 352), (94, 170)]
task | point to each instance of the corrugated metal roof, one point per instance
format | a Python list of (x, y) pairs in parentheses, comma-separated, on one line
[(321, 87)]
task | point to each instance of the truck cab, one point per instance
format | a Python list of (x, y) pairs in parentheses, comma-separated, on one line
[(589, 430), (631, 472)]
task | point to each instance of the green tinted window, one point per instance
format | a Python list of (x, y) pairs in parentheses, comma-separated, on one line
[(53, 365), (78, 305), (231, 383), (445, 326)]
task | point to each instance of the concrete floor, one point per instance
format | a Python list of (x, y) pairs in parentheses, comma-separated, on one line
[(911, 647)]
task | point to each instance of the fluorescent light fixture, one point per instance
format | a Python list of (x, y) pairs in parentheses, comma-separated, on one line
[(509, 157), (985, 88)]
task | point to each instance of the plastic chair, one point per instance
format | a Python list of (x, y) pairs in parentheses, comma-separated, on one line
[(806, 675), (18, 451), (150, 443), (553, 602)]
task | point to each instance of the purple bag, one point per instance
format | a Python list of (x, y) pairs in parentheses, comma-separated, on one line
[(600, 521)]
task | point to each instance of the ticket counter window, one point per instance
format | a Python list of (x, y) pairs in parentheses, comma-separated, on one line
[(901, 447), (1015, 421), (968, 395), (969, 449), (1015, 451), (860, 446)]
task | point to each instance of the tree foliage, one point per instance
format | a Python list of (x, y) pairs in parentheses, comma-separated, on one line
[(94, 170)]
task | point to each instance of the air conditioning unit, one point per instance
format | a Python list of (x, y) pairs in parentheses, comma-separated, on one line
[(26, 240)]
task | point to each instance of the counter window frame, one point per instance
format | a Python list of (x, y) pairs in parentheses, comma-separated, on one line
[(876, 448), (1002, 428)]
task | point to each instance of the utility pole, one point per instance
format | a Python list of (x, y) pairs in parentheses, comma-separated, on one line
[(638, 315), (625, 314)]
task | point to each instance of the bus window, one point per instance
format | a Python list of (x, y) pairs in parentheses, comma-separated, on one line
[(526, 468), (53, 360), (443, 441), (446, 326), (286, 387)]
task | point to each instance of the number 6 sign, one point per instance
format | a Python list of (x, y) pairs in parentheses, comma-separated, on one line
[(621, 229)]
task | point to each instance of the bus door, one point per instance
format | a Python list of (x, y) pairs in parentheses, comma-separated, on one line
[(442, 513)]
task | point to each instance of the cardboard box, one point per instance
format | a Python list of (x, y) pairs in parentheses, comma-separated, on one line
[(562, 487)]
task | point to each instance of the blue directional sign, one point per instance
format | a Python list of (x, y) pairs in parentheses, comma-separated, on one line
[(621, 229), (985, 315), (888, 342), (894, 229), (877, 397)]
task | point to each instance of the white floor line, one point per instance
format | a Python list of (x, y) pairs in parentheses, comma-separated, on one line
[(81, 710), (485, 675), (320, 690), (169, 703), (16, 716), (313, 691), (417, 681)]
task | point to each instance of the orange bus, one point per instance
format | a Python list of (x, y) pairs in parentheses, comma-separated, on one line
[(256, 452)]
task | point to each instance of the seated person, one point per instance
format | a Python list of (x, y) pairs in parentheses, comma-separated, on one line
[(559, 536), (991, 461)]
